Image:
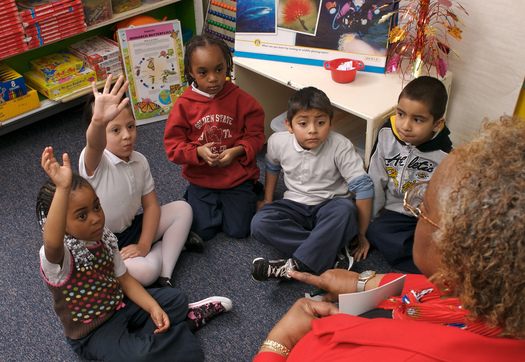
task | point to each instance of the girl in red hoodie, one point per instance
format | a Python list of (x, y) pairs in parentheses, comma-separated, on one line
[(215, 130)]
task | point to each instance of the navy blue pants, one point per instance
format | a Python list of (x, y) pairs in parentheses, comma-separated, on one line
[(392, 234), (128, 334), (311, 234), (229, 210)]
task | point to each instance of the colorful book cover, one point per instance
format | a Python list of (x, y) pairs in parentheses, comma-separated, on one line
[(153, 62)]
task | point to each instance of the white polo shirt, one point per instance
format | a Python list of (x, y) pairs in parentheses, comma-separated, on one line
[(314, 176), (120, 186)]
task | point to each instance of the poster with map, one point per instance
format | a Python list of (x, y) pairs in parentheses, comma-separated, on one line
[(154, 66)]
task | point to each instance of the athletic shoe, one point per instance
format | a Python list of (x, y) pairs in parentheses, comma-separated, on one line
[(202, 311), (344, 260), (263, 270), (194, 243)]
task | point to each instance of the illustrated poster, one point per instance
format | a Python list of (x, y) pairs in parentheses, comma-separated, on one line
[(154, 66), (314, 31)]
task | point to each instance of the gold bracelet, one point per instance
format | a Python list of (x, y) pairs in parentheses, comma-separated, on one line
[(276, 347)]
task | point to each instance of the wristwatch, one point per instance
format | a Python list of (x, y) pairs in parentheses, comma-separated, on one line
[(364, 277)]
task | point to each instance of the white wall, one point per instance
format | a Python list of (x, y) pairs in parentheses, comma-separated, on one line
[(489, 74), (490, 71)]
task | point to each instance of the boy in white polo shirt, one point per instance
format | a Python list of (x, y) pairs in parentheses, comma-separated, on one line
[(322, 172)]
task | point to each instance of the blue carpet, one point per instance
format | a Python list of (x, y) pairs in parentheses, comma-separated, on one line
[(30, 329)]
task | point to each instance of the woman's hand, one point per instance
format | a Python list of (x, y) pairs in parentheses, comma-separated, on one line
[(205, 152), (134, 250), (298, 321), (333, 281)]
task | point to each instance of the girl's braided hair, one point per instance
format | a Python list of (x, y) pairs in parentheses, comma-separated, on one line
[(205, 40), (46, 193)]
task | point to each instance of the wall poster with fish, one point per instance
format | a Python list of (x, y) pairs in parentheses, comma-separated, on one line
[(154, 66), (313, 31)]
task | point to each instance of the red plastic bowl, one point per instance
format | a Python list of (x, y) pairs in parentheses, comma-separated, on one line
[(343, 76)]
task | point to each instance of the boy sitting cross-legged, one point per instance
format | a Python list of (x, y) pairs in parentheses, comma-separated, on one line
[(317, 217), (408, 149)]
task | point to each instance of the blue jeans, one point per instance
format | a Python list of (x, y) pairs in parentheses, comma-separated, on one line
[(392, 234), (229, 210), (128, 334), (311, 234)]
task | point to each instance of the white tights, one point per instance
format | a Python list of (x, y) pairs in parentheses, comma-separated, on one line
[(174, 226)]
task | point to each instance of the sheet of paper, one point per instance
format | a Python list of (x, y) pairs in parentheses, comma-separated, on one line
[(358, 303)]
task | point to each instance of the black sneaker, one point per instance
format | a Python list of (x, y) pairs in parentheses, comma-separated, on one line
[(344, 260), (194, 243), (263, 270), (202, 311), (162, 282)]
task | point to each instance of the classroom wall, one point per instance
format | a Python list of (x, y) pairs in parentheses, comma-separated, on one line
[(489, 74)]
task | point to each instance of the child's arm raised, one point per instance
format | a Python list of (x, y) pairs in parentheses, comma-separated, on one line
[(136, 292), (55, 227), (107, 106)]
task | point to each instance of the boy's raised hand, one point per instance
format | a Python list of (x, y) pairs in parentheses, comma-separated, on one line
[(61, 175), (109, 103)]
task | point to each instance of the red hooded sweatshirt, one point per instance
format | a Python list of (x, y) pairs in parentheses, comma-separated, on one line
[(232, 118)]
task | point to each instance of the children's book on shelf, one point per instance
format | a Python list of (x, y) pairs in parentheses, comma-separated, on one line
[(153, 61), (314, 31)]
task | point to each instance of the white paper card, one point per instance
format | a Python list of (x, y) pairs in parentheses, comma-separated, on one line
[(358, 303)]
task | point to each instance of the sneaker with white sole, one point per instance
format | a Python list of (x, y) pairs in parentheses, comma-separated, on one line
[(344, 260), (263, 270), (199, 313)]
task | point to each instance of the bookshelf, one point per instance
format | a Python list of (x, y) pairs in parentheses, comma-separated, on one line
[(189, 12)]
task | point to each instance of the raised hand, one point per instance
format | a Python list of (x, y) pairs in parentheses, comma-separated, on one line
[(61, 175), (109, 103)]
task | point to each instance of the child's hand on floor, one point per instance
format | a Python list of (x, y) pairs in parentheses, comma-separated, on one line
[(362, 248), (261, 204)]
